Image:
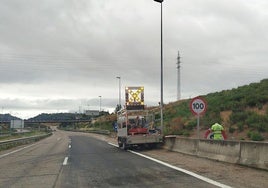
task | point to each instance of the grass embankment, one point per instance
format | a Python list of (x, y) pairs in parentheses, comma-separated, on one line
[(242, 111)]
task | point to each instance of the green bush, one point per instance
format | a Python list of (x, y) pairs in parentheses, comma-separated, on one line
[(238, 117), (211, 117), (252, 118), (231, 130), (186, 133), (182, 109), (176, 132), (261, 127), (240, 126), (256, 121), (255, 136), (191, 125)]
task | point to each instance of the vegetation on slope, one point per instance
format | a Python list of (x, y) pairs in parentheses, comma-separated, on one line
[(242, 111)]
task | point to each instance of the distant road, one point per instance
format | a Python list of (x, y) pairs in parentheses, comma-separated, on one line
[(77, 160)]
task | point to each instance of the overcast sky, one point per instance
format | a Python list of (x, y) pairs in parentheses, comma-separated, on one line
[(61, 55)]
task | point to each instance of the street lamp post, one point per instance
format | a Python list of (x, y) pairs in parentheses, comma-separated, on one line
[(119, 100), (161, 67), (100, 103)]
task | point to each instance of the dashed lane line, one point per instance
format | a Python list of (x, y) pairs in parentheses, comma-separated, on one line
[(65, 161)]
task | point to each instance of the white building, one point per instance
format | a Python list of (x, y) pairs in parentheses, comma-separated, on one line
[(17, 124), (92, 112)]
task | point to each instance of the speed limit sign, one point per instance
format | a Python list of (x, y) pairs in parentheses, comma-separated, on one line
[(198, 106)]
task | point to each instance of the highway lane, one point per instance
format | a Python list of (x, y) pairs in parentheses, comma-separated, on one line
[(35, 165), (68, 159), (94, 163)]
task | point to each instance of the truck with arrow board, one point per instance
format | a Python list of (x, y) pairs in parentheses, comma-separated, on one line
[(135, 124)]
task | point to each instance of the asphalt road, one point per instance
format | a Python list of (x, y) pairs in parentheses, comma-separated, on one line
[(35, 165), (77, 160)]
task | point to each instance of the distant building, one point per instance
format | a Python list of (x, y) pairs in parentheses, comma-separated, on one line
[(92, 112), (16, 124)]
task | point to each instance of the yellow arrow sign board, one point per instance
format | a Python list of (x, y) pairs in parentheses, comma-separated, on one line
[(134, 98)]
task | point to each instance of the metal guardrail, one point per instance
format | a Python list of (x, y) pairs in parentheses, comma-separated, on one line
[(105, 132), (20, 141)]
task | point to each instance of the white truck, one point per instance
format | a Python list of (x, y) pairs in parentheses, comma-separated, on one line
[(135, 125)]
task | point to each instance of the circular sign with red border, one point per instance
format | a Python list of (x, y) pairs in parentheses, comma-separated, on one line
[(198, 106)]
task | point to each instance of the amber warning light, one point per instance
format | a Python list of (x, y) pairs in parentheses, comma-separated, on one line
[(134, 98)]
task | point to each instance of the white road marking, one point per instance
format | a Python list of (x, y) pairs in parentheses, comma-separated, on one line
[(113, 144), (65, 161), (70, 146), (4, 155), (179, 169)]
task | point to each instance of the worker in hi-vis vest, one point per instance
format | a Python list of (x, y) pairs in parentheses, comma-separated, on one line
[(217, 131)]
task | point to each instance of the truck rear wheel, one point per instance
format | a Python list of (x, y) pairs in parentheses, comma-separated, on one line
[(124, 146), (119, 141), (120, 145)]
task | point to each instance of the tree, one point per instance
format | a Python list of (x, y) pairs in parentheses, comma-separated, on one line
[(118, 108)]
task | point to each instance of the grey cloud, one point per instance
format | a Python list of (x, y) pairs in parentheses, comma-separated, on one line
[(75, 49)]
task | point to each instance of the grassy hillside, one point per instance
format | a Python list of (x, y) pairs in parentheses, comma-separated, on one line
[(238, 110), (242, 111)]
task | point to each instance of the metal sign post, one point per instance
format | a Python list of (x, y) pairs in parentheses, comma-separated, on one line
[(198, 127), (198, 107)]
